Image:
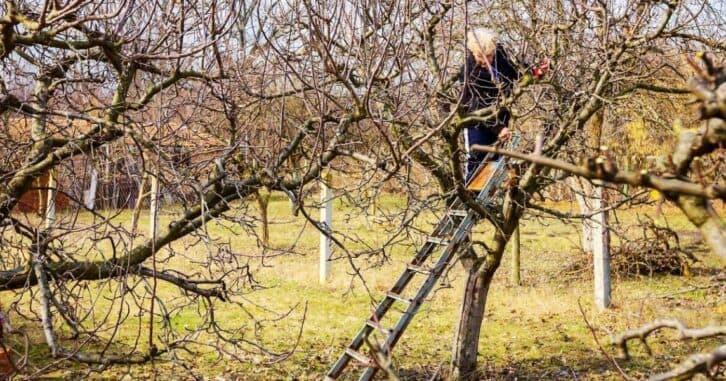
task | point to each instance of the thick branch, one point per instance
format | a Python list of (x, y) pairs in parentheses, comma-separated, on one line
[(683, 333), (185, 284), (690, 197), (214, 204), (601, 172), (698, 363)]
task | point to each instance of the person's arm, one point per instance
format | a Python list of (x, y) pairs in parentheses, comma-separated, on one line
[(513, 71)]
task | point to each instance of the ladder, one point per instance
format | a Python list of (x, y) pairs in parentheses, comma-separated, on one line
[(449, 237)]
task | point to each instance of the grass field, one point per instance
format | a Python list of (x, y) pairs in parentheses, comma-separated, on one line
[(532, 331)]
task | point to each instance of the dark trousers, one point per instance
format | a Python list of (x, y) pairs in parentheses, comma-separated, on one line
[(472, 136)]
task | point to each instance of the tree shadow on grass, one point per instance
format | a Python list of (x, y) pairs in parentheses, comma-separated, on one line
[(40, 365), (551, 368)]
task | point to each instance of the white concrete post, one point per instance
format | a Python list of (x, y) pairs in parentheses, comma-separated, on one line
[(153, 205), (601, 250), (50, 201), (89, 196), (326, 220)]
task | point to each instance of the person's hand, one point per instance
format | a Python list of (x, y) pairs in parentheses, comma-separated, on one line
[(504, 134), (544, 67)]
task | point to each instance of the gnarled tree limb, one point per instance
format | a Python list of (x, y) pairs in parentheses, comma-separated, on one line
[(697, 363)]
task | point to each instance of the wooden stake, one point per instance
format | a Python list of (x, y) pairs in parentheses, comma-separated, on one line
[(153, 205), (515, 276)]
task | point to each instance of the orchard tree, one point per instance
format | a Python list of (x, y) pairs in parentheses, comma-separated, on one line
[(212, 101), (603, 54)]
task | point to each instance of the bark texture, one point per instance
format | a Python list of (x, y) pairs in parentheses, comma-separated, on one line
[(466, 343)]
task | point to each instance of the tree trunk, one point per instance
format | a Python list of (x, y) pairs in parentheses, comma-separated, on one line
[(466, 343), (263, 201), (45, 298), (50, 203), (139, 200), (480, 272)]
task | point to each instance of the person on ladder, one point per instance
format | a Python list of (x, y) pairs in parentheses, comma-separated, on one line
[(488, 74)]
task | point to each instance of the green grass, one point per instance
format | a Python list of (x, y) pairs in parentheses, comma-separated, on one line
[(533, 331)]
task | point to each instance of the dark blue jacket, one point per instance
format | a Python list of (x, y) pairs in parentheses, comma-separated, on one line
[(481, 90)]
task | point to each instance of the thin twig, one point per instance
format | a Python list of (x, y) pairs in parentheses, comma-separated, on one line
[(597, 341)]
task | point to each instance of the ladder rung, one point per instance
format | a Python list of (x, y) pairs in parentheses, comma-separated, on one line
[(328, 378), (418, 269), (361, 358), (398, 297), (438, 241), (458, 212), (379, 327)]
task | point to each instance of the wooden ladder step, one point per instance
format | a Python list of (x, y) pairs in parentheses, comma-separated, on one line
[(398, 297), (439, 241), (458, 212), (379, 327), (360, 357), (418, 269)]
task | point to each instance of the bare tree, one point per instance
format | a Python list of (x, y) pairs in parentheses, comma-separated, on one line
[(184, 92), (214, 101), (684, 181), (604, 54)]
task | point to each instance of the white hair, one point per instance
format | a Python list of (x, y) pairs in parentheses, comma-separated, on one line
[(482, 42)]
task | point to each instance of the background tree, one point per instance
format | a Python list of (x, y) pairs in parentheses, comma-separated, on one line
[(213, 100)]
